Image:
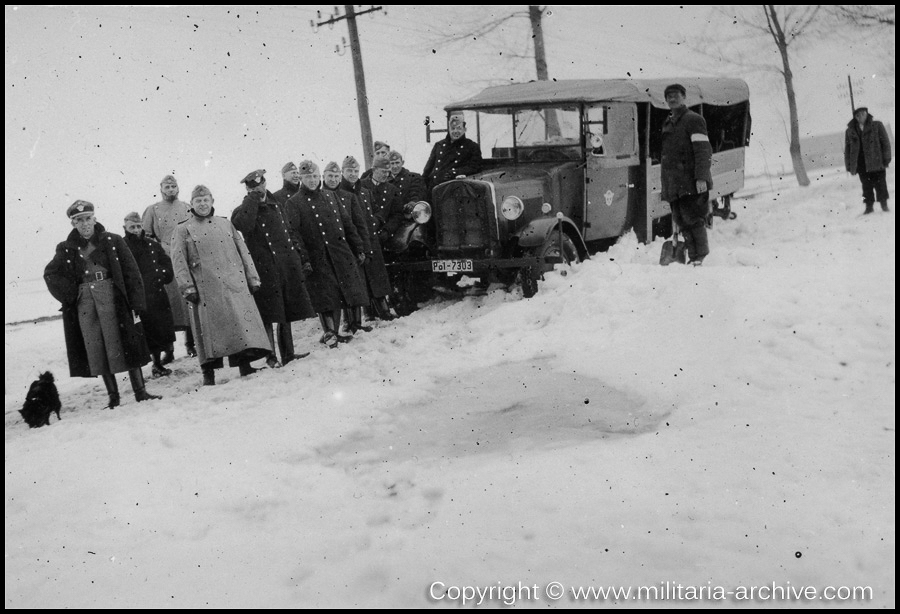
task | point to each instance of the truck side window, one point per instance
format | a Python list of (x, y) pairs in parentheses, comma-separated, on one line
[(612, 130)]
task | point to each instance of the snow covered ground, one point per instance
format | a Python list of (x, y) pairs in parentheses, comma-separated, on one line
[(630, 426)]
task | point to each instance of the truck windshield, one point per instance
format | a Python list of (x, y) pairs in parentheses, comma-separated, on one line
[(531, 134)]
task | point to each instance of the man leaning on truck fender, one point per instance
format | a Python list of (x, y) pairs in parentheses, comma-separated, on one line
[(686, 177)]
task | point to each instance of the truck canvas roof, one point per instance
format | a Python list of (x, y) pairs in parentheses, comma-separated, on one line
[(706, 90)]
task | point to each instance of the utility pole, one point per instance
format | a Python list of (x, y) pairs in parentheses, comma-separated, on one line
[(362, 101)]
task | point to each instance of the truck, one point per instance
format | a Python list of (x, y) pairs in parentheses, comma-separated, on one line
[(569, 166)]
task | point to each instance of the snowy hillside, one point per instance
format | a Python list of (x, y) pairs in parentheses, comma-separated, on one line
[(631, 425)]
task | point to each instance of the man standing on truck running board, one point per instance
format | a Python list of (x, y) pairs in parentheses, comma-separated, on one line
[(452, 156), (686, 177)]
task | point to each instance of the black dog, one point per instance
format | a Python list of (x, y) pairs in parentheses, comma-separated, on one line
[(42, 400)]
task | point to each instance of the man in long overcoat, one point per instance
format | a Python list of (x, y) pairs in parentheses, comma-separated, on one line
[(328, 241), (351, 319), (867, 151), (686, 161), (159, 221), (282, 297), (156, 271), (216, 275), (375, 273), (97, 280), (290, 183)]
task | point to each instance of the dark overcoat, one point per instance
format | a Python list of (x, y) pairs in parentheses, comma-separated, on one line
[(327, 239), (65, 273), (282, 296), (686, 154), (287, 190), (410, 185), (156, 271), (375, 273), (386, 207), (450, 158), (874, 142)]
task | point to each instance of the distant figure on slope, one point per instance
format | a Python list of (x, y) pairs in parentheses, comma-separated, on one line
[(867, 151)]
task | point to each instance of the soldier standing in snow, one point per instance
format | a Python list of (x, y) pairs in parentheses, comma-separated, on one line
[(159, 221), (216, 275), (156, 271), (97, 280), (282, 297), (867, 151), (686, 180), (329, 243)]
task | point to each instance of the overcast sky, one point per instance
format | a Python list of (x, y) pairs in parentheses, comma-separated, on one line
[(102, 102)]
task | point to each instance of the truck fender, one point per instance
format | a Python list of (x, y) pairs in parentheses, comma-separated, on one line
[(538, 231)]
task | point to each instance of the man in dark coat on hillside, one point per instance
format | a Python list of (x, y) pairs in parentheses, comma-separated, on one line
[(291, 183), (156, 271), (328, 241), (351, 319), (374, 271), (452, 156), (686, 177), (386, 204), (282, 296), (867, 151), (97, 280)]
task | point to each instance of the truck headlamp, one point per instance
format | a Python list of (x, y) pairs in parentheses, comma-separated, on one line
[(421, 212), (512, 207)]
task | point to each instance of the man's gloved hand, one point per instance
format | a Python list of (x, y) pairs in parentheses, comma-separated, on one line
[(193, 297), (361, 257), (701, 186), (254, 289), (408, 208), (307, 268)]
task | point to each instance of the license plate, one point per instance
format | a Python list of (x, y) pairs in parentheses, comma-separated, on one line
[(451, 266)]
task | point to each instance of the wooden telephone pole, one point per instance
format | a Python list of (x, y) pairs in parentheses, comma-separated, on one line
[(362, 101)]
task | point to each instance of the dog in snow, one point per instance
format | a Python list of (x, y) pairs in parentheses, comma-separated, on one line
[(42, 400)]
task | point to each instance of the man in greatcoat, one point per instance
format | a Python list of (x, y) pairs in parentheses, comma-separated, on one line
[(159, 221), (282, 297), (867, 151), (216, 275), (686, 177), (351, 319), (290, 177), (452, 156), (328, 242), (410, 185), (375, 273), (97, 280), (386, 204), (156, 271)]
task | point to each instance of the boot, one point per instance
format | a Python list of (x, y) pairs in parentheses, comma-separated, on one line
[(341, 326), (272, 359), (286, 344), (189, 343), (112, 388), (356, 324), (168, 355), (137, 384), (158, 369), (245, 369), (870, 208), (884, 206), (209, 376), (345, 330), (330, 337), (383, 309)]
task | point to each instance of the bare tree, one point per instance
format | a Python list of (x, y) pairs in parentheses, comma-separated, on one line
[(480, 28), (783, 26), (864, 15)]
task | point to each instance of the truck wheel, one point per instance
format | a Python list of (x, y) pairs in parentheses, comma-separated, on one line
[(529, 282), (550, 248)]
